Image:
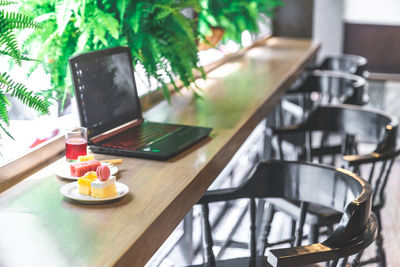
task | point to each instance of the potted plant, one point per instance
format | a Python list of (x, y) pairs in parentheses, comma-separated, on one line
[(9, 22), (233, 17), (161, 38)]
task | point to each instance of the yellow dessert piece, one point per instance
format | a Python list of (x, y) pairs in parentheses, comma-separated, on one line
[(85, 158), (113, 161), (104, 189), (84, 182)]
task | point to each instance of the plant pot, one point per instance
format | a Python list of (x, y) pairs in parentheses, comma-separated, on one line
[(212, 40)]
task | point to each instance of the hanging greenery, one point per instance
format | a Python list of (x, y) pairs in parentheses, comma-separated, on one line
[(160, 37), (9, 47), (234, 16)]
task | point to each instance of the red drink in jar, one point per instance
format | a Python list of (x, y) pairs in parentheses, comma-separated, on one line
[(75, 147), (75, 143)]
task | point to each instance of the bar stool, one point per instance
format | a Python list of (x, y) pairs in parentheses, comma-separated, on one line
[(330, 86), (355, 126), (322, 87), (352, 64), (307, 183), (344, 63)]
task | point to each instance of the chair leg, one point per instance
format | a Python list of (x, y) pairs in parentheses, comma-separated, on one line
[(313, 236), (207, 238), (380, 252), (302, 218), (323, 142), (379, 243), (357, 260), (329, 230), (292, 231), (268, 222), (343, 262), (333, 263)]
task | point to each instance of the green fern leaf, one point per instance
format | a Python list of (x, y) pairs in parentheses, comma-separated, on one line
[(7, 3), (8, 41), (3, 81), (108, 21), (166, 93), (3, 108), (5, 53), (122, 5), (82, 40), (19, 21), (7, 132), (63, 16), (21, 92)]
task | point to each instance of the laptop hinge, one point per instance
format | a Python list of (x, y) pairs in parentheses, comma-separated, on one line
[(115, 131)]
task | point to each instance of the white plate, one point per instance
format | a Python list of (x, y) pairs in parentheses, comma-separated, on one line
[(71, 191), (65, 172)]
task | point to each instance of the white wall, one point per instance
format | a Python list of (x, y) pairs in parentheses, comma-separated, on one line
[(381, 12), (328, 26)]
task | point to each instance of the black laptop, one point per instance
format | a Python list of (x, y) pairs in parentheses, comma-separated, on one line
[(109, 108)]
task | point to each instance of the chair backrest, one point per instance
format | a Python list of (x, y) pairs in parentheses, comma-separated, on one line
[(356, 124), (336, 188), (342, 87), (364, 123), (353, 64)]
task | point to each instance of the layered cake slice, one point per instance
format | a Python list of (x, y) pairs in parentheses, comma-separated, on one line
[(79, 169), (104, 189), (84, 187), (85, 158), (104, 186)]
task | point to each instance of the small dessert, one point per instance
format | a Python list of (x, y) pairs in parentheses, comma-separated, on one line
[(104, 189), (104, 186), (103, 173), (84, 187), (113, 161), (79, 169), (85, 158)]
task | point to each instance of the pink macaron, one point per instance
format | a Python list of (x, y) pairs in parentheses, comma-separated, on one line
[(103, 172)]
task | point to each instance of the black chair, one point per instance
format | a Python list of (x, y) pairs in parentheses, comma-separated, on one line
[(341, 64), (323, 87), (331, 87), (336, 86), (304, 182), (347, 63), (355, 125)]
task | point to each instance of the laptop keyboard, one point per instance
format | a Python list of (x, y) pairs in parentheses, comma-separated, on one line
[(138, 138)]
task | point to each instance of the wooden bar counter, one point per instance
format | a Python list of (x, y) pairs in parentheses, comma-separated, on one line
[(39, 227)]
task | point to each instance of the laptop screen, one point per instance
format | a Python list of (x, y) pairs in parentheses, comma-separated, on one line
[(105, 89)]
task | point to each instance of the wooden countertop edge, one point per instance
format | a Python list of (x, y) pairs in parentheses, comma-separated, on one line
[(17, 170), (139, 253)]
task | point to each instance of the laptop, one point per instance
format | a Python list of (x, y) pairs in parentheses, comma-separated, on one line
[(109, 107)]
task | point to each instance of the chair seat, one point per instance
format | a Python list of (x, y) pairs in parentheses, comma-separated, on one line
[(261, 261)]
